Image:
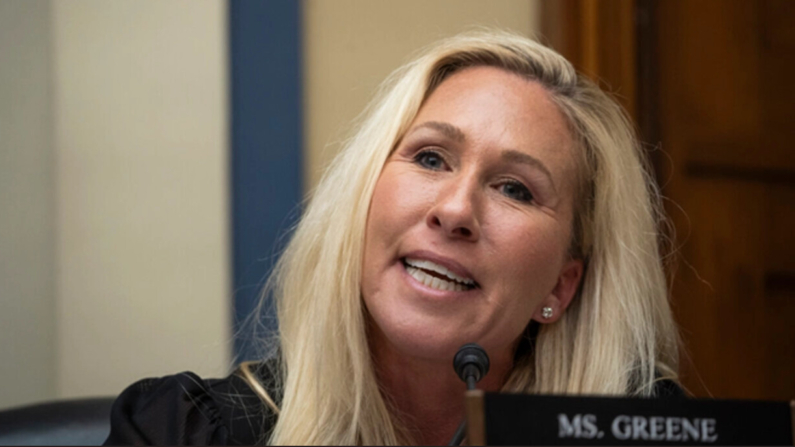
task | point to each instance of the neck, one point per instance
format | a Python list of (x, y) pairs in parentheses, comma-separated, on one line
[(427, 395)]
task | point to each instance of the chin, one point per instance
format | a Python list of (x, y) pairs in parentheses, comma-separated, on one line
[(424, 339)]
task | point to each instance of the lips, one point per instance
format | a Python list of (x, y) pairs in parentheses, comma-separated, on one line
[(438, 273)]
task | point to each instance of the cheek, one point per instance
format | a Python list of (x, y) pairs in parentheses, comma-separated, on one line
[(397, 205), (392, 213), (526, 266), (530, 255)]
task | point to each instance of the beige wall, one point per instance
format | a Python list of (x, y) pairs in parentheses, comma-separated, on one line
[(114, 240), (142, 236), (27, 247), (114, 258), (350, 46)]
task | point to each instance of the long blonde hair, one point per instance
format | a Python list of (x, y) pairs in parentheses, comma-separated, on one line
[(618, 335)]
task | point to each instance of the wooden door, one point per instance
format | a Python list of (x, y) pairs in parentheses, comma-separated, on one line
[(726, 121), (708, 82)]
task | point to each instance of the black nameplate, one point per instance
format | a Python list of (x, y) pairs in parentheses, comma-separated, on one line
[(516, 419)]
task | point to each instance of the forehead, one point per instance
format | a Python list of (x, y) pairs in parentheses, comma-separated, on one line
[(499, 110)]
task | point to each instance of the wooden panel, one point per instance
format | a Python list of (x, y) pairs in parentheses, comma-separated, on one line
[(732, 82), (776, 42), (714, 90), (734, 294), (779, 292), (598, 37), (724, 122)]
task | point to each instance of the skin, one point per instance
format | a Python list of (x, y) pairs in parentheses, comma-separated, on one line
[(483, 181)]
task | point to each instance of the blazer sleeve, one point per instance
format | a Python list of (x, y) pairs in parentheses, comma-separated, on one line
[(183, 409)]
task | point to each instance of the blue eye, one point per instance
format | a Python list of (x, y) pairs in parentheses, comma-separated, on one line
[(516, 191), (430, 160)]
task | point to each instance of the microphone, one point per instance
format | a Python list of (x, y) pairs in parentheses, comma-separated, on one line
[(471, 363)]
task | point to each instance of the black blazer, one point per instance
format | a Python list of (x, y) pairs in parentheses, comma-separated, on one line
[(183, 409)]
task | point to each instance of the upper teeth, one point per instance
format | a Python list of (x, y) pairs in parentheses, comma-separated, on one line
[(440, 269)]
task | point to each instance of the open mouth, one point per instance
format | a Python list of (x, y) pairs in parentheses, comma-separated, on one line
[(437, 276)]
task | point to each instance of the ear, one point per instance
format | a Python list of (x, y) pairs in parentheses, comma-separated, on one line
[(561, 296)]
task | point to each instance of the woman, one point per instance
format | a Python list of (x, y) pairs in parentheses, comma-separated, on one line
[(491, 195)]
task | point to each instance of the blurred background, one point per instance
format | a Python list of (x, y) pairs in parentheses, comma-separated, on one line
[(153, 154)]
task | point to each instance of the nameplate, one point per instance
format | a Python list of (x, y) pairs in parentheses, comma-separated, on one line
[(517, 419)]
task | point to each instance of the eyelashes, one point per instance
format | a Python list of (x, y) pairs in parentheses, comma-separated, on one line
[(513, 189), (431, 159), (516, 191)]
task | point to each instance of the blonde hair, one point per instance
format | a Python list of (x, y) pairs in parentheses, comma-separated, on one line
[(618, 335)]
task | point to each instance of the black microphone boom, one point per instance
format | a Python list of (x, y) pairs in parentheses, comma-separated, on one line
[(471, 363)]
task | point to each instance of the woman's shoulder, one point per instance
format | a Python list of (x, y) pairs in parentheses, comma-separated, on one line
[(667, 387), (184, 409)]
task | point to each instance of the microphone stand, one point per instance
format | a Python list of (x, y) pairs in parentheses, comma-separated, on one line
[(459, 432), (471, 363)]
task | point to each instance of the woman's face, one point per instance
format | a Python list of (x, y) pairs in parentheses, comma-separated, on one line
[(470, 222)]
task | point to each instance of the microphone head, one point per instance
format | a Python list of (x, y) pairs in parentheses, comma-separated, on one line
[(469, 359)]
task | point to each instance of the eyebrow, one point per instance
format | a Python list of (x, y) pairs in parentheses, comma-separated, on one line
[(514, 156), (447, 129)]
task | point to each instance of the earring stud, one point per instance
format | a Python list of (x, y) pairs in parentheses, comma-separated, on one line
[(546, 312)]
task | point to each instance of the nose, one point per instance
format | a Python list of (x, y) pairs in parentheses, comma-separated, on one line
[(455, 211)]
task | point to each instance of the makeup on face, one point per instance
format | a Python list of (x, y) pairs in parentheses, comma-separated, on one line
[(470, 221)]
